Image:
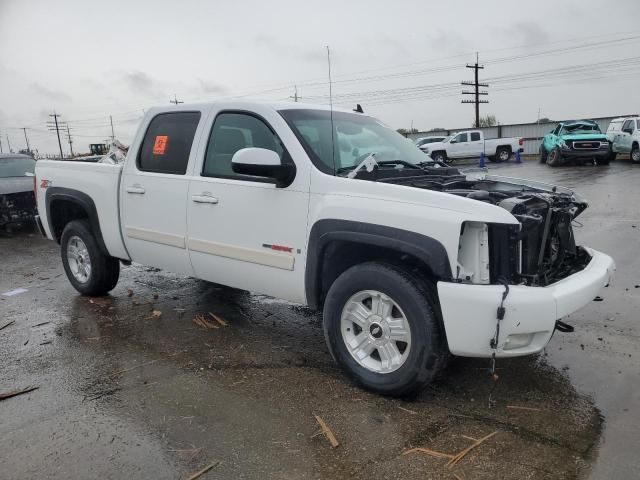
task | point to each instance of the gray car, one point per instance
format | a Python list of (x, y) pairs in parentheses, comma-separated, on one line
[(17, 202)]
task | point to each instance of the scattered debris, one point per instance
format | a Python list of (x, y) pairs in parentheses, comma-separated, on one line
[(516, 407), (454, 459), (156, 313), (598, 299), (16, 291), (326, 431), (7, 324), (199, 473), (155, 296), (407, 410), (129, 293), (15, 393), (39, 324), (219, 320), (428, 451), (203, 322), (46, 342), (452, 463)]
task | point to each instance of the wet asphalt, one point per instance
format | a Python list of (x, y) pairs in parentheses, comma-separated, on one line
[(130, 387)]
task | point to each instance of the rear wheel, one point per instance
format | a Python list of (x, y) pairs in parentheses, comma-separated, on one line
[(503, 154), (383, 330), (89, 270), (554, 159), (635, 153)]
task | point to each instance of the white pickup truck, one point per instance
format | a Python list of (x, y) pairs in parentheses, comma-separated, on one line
[(470, 144), (410, 261), (624, 137)]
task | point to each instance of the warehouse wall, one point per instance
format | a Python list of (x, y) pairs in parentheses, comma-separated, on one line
[(531, 132)]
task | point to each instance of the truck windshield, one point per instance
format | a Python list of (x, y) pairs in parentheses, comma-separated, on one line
[(16, 166), (355, 136), (579, 128)]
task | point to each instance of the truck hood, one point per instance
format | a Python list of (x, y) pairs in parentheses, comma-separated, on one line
[(430, 147), (584, 136), (10, 185)]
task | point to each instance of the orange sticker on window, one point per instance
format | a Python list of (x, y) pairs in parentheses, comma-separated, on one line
[(160, 144)]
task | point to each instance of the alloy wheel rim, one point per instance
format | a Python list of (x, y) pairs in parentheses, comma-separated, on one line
[(635, 155), (375, 331), (504, 156), (78, 259)]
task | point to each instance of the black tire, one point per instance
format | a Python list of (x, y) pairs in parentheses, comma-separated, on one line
[(543, 155), (105, 270), (612, 156), (428, 353), (555, 158), (441, 156), (503, 154), (603, 160), (635, 153)]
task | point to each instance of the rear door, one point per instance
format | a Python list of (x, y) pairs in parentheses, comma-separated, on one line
[(245, 232), (475, 145), (153, 191)]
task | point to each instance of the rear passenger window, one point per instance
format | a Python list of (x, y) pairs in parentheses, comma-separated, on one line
[(475, 136), (167, 143), (232, 132)]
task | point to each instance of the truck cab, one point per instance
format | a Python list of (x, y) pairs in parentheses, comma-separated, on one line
[(624, 135)]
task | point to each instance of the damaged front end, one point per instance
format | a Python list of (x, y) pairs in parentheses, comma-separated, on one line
[(539, 251), (17, 208)]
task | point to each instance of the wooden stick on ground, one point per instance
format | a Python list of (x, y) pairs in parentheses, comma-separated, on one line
[(199, 473), (516, 407), (219, 320), (452, 463), (7, 324), (433, 453), (15, 393), (327, 432)]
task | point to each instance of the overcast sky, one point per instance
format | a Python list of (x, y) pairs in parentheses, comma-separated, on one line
[(401, 60)]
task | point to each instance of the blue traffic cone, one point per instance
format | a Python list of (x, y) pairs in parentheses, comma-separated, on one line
[(518, 159), (482, 163)]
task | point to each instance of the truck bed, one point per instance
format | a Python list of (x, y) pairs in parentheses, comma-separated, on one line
[(101, 181)]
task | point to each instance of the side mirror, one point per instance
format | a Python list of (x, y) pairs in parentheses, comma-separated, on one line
[(628, 130), (261, 162)]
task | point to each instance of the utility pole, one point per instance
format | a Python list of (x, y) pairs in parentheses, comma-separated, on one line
[(295, 94), (9, 144), (476, 92), (1, 145), (57, 130), (175, 100), (113, 135), (69, 138), (26, 139)]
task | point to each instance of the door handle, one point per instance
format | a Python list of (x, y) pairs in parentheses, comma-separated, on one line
[(135, 189), (204, 198)]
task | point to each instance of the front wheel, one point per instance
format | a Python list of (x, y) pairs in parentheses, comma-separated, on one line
[(603, 160), (441, 157), (89, 270), (383, 330), (554, 159), (543, 155), (635, 153)]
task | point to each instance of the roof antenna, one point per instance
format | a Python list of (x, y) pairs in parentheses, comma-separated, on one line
[(358, 108), (333, 141)]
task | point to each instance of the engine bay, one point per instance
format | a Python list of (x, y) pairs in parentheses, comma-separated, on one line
[(541, 251)]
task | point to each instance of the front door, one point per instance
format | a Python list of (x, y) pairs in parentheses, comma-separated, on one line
[(153, 192), (458, 146), (243, 231)]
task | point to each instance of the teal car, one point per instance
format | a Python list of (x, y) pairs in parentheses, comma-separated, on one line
[(577, 141)]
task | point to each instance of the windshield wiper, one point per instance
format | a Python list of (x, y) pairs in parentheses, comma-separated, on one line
[(369, 162)]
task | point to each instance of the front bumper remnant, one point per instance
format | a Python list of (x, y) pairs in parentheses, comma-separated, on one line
[(469, 311)]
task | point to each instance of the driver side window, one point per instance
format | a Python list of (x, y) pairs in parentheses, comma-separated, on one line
[(232, 132), (461, 137)]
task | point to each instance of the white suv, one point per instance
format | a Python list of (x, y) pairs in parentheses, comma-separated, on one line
[(624, 135)]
